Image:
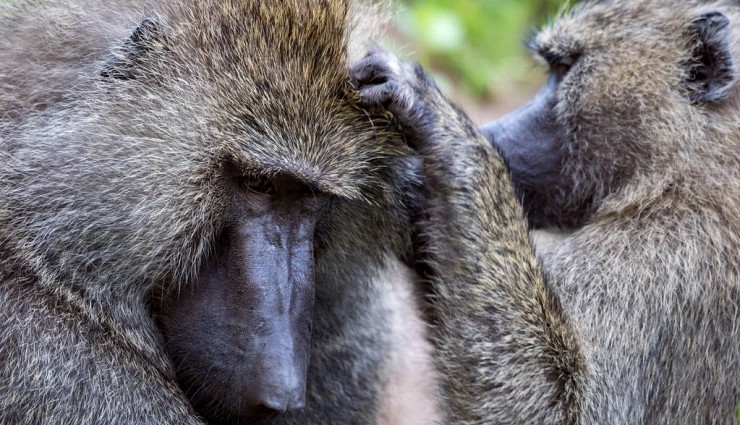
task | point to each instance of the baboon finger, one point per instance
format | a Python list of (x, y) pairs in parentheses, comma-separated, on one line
[(368, 71)]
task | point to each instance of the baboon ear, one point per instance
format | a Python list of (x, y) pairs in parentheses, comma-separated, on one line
[(125, 62), (711, 71)]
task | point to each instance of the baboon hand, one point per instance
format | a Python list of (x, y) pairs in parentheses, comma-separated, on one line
[(400, 87)]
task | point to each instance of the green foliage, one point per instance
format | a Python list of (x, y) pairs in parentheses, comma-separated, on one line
[(476, 42)]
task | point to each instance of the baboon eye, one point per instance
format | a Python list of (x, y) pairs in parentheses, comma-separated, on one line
[(562, 65), (258, 184)]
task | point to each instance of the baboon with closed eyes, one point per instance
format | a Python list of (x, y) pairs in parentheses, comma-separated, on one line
[(633, 147), (207, 159)]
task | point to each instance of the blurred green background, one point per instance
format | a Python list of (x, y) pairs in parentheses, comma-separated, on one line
[(475, 48)]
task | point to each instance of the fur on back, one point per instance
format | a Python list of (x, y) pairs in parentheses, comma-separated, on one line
[(652, 280)]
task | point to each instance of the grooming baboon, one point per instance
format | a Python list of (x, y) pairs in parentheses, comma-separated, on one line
[(634, 146), (207, 158)]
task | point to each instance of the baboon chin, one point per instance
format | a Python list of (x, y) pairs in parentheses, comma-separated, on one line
[(633, 148)]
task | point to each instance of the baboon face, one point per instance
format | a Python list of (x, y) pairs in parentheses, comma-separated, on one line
[(240, 334), (264, 131), (621, 77)]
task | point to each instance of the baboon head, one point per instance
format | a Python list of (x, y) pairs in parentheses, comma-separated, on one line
[(285, 139), (196, 164), (628, 88)]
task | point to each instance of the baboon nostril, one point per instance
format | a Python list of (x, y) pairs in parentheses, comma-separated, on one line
[(264, 412)]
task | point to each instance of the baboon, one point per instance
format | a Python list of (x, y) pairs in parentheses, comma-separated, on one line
[(633, 146), (190, 194)]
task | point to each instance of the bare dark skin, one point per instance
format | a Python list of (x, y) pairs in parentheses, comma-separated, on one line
[(240, 336), (528, 138)]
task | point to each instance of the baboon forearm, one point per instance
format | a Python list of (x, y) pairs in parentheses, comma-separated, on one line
[(490, 287), (503, 348)]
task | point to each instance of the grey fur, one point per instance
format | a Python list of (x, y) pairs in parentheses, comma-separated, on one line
[(635, 315), (111, 159)]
